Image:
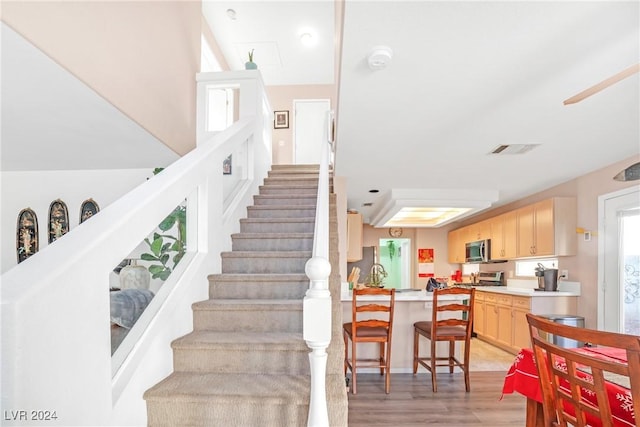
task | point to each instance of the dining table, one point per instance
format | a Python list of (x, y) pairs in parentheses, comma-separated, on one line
[(522, 377)]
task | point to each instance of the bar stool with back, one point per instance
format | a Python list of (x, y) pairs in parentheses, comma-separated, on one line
[(371, 322), (456, 328)]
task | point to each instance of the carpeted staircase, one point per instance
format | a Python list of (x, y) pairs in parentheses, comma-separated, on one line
[(246, 363)]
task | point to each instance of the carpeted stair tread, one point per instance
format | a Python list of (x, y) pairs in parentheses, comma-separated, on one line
[(266, 254), (240, 340), (255, 304), (224, 387), (253, 277), (267, 207), (269, 235)]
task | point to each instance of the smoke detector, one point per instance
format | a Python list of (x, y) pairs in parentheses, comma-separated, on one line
[(379, 57)]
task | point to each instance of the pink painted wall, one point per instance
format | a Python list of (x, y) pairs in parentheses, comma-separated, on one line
[(281, 98), (140, 56)]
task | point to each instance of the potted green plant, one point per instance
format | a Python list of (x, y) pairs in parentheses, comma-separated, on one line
[(250, 65), (167, 249)]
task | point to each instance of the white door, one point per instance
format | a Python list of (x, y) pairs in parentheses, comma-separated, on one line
[(619, 261), (309, 129)]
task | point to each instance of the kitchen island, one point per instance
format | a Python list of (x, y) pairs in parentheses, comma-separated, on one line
[(493, 321)]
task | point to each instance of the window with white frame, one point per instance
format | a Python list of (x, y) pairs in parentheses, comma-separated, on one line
[(527, 268)]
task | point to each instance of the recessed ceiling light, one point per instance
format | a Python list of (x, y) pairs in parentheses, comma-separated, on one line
[(231, 14), (308, 37)]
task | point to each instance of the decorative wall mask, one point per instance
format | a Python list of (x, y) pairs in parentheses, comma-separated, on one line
[(58, 220), (26, 234), (88, 209)]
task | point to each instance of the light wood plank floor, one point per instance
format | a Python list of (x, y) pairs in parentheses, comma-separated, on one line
[(412, 403)]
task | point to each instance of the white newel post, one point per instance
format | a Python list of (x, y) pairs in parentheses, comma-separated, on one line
[(317, 334)]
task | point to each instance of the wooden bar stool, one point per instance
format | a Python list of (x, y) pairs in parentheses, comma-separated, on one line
[(457, 327), (376, 327)]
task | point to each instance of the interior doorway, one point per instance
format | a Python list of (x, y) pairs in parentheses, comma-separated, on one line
[(395, 257), (309, 129), (619, 261)]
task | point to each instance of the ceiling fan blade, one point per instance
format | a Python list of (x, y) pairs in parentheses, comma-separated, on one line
[(603, 84)]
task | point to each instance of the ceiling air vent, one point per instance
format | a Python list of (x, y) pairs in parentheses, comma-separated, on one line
[(513, 148)]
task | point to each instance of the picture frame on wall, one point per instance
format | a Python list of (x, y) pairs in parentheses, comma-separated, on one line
[(281, 119), (226, 165)]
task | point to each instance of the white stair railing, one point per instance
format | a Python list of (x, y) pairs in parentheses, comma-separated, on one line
[(317, 300), (55, 350)]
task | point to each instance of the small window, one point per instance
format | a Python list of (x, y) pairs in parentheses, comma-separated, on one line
[(528, 268)]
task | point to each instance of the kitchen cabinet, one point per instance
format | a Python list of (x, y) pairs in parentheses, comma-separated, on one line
[(521, 338), (503, 236), (491, 316), (478, 231), (479, 313), (504, 315), (503, 320), (547, 228), (354, 237), (456, 249)]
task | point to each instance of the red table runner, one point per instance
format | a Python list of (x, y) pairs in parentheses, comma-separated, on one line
[(523, 378)]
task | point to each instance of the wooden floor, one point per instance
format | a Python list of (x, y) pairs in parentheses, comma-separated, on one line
[(412, 403)]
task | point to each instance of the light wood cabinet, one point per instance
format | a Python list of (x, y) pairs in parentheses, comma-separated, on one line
[(547, 228), (503, 236), (503, 321), (456, 248), (500, 327), (354, 237), (479, 314), (491, 316), (521, 338), (478, 231), (504, 314)]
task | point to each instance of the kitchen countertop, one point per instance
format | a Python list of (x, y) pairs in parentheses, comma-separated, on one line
[(521, 288), (510, 290), (402, 295)]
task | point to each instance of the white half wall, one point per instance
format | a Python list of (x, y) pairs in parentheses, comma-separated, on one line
[(37, 189)]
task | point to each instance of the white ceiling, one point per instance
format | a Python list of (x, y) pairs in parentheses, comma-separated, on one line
[(465, 77)]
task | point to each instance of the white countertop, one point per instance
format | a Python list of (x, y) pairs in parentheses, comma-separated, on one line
[(403, 295), (511, 290), (423, 295)]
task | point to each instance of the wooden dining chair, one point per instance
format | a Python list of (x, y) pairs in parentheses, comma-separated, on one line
[(371, 322), (573, 381), (450, 321)]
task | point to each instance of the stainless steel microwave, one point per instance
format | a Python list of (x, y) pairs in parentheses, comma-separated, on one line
[(478, 251)]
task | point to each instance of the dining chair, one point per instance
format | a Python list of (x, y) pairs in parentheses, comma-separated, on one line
[(573, 381), (451, 320), (371, 322)]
